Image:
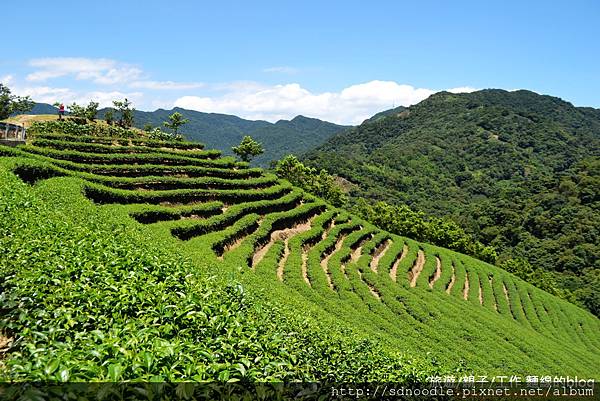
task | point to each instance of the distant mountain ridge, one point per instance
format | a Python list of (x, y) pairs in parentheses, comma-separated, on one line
[(222, 131)]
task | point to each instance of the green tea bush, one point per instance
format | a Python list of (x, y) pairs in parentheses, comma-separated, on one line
[(194, 229), (103, 194), (73, 128), (107, 140), (148, 214), (273, 222), (91, 147), (86, 297), (129, 158)]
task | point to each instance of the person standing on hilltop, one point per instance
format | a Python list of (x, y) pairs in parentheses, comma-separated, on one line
[(61, 111)]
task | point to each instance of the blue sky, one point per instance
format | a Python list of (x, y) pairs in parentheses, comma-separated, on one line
[(337, 60)]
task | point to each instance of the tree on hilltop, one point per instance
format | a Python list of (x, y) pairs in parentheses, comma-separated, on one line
[(176, 120), (126, 113), (84, 113), (109, 116), (248, 148), (10, 104)]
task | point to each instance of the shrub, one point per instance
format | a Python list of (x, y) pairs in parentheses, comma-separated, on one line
[(318, 183)]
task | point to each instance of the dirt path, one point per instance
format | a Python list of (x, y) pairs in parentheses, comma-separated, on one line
[(452, 280), (343, 269), (438, 272), (372, 289), (328, 229), (466, 287), (379, 252), (277, 235), (394, 269), (237, 242), (417, 268), (325, 260), (506, 293), (355, 255)]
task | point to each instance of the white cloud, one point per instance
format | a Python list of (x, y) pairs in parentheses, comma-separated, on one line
[(100, 71), (462, 89), (284, 69), (166, 85), (107, 78), (106, 98), (351, 105), (47, 94), (6, 79)]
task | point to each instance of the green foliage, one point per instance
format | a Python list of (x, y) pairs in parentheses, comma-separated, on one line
[(91, 110), (123, 147), (402, 220), (84, 113), (69, 127), (155, 156), (159, 135), (247, 149), (109, 116), (518, 171), (318, 183), (161, 278), (105, 307), (10, 104), (220, 131), (93, 133), (537, 276), (176, 120), (126, 113)]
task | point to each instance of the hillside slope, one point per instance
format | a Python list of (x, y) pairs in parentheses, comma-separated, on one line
[(317, 263), (222, 131), (518, 170)]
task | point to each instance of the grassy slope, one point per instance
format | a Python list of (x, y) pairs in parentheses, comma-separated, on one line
[(528, 331), (27, 119)]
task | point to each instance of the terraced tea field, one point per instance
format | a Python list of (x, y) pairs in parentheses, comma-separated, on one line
[(319, 262)]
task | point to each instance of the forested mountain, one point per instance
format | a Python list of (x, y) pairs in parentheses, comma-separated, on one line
[(222, 131), (43, 108), (520, 171)]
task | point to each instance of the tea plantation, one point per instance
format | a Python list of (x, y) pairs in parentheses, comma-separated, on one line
[(127, 259)]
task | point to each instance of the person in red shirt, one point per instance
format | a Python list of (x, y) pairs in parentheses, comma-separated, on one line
[(61, 111)]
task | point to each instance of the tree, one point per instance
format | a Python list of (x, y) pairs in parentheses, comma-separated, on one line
[(176, 120), (91, 110), (84, 113), (160, 135), (109, 116), (78, 112), (126, 111), (148, 127), (10, 104), (319, 183), (248, 148)]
